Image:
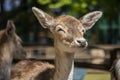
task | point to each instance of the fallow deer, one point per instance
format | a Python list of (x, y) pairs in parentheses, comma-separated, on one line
[(9, 45), (68, 38)]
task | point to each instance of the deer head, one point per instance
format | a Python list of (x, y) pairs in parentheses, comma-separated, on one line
[(67, 30), (10, 39)]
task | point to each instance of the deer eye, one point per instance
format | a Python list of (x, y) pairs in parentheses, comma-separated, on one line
[(59, 28)]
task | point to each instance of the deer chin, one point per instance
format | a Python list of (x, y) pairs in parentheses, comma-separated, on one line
[(78, 48), (71, 49), (83, 46)]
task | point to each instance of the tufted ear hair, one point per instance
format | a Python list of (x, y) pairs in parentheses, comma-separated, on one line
[(90, 19), (44, 19), (10, 29)]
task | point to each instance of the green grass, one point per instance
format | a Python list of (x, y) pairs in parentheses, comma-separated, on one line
[(97, 77)]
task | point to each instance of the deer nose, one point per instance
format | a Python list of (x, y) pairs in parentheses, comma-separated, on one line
[(82, 42)]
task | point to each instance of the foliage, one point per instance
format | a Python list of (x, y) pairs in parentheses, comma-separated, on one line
[(74, 6), (54, 4)]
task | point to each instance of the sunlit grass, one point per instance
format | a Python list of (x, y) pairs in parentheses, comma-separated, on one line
[(97, 76)]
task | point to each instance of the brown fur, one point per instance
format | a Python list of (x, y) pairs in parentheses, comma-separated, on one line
[(32, 70)]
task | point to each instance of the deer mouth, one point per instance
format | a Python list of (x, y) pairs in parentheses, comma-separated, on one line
[(84, 45), (81, 45)]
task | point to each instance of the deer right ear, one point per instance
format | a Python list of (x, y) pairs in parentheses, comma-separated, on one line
[(45, 20), (90, 19)]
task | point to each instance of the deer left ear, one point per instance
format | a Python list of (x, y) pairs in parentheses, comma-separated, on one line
[(10, 29), (90, 19), (44, 19)]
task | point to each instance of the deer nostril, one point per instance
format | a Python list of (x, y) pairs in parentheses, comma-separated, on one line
[(79, 41)]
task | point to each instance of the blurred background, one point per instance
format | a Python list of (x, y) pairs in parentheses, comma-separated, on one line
[(105, 31)]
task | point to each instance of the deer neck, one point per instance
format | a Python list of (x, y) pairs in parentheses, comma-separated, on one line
[(5, 62), (64, 65)]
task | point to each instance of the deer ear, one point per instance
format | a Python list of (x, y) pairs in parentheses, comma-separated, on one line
[(45, 20), (10, 30), (90, 19)]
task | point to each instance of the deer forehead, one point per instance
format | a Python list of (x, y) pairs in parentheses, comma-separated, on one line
[(69, 23)]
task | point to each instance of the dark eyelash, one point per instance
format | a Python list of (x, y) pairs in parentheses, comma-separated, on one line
[(59, 29)]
